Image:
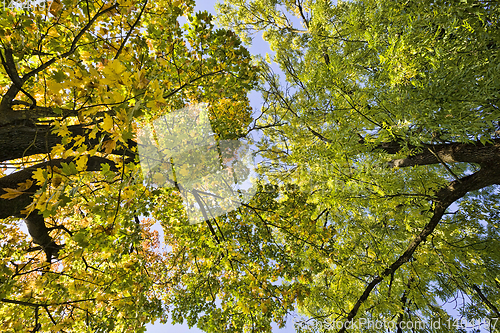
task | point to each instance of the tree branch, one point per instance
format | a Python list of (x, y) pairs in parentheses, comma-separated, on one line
[(10, 115), (475, 152), (18, 82), (130, 31), (485, 300), (487, 176), (40, 140)]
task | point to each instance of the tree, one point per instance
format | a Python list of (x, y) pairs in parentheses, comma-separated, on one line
[(77, 80), (382, 159), (377, 199)]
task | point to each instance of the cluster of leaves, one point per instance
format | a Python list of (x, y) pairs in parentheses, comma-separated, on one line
[(77, 80)]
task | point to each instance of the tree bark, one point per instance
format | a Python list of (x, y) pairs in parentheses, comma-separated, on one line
[(475, 152), (21, 141)]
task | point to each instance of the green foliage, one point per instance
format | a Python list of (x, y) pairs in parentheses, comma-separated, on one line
[(370, 83)]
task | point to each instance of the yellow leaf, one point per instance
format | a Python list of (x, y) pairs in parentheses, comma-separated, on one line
[(113, 72), (11, 193), (159, 178), (58, 149), (83, 148), (53, 32), (108, 146), (92, 134), (85, 55), (55, 7), (141, 78), (155, 88), (123, 116), (61, 130), (54, 87), (40, 176), (25, 186), (108, 5), (184, 171), (29, 209), (116, 66), (81, 163), (42, 200), (107, 123), (79, 140)]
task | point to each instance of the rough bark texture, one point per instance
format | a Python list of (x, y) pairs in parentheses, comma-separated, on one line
[(452, 153), (18, 141), (20, 137), (23, 138), (11, 116)]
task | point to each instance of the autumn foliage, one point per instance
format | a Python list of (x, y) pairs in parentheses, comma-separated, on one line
[(77, 79)]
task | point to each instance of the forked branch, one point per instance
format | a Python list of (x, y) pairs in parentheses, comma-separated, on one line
[(487, 176)]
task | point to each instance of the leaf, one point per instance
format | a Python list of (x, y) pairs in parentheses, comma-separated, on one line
[(56, 181), (84, 76), (69, 169), (142, 80), (107, 123), (25, 186), (81, 163), (109, 146), (55, 7), (62, 130), (11, 193), (29, 209), (159, 178), (40, 175)]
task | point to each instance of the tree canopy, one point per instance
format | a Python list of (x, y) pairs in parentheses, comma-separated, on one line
[(376, 196), (77, 79)]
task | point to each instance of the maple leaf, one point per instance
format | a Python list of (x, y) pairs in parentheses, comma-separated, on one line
[(107, 123), (108, 146), (84, 84)]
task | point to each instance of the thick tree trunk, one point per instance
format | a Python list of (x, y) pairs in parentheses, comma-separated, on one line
[(24, 139), (21, 141)]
